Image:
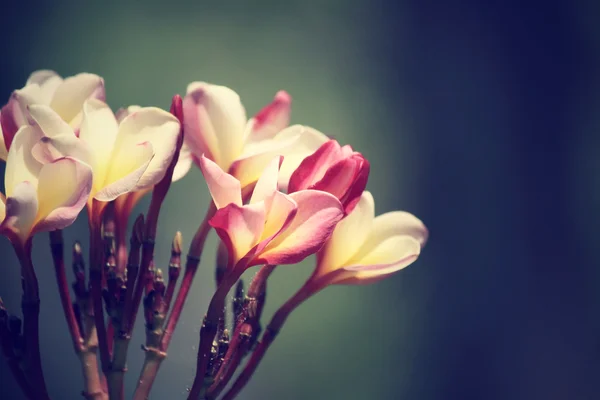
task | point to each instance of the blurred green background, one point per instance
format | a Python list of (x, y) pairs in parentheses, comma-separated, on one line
[(481, 118)]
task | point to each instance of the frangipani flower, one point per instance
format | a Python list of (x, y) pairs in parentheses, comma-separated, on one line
[(274, 228), (364, 248), (125, 157), (64, 96), (40, 197), (216, 126), (334, 169)]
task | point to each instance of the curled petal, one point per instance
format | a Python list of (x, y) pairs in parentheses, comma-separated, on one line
[(21, 166), (313, 168), (214, 122), (14, 114), (21, 210), (267, 184), (63, 190), (240, 228), (396, 223), (70, 95), (153, 125), (224, 188), (49, 149), (125, 172), (348, 237), (318, 213), (273, 118), (49, 121), (354, 192), (391, 255)]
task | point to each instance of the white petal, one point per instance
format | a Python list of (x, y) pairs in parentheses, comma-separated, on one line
[(49, 121), (70, 95), (349, 235), (99, 131), (124, 173), (21, 209), (48, 81), (153, 125), (21, 166), (63, 190), (184, 163)]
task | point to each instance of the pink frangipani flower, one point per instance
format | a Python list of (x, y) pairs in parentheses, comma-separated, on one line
[(274, 228)]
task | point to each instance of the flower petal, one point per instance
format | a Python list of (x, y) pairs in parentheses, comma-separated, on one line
[(50, 149), (214, 122), (21, 210), (184, 163), (267, 183), (70, 95), (386, 226), (63, 190), (14, 114), (390, 256), (273, 118), (348, 237), (280, 214), (125, 172), (313, 168), (99, 131), (354, 192), (49, 121), (240, 228), (148, 124), (317, 215), (124, 112), (21, 166), (48, 81), (224, 188), (308, 142)]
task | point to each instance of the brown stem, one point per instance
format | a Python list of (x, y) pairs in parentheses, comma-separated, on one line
[(271, 332), (248, 321), (57, 249), (96, 278), (31, 312), (209, 330)]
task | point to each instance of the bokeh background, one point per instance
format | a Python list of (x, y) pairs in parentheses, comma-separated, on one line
[(479, 117)]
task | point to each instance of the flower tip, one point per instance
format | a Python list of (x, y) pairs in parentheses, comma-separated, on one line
[(177, 107), (176, 246), (283, 97)]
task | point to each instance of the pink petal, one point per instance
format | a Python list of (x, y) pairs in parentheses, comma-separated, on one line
[(272, 118), (12, 117), (240, 228), (224, 188), (318, 213), (313, 168), (352, 196)]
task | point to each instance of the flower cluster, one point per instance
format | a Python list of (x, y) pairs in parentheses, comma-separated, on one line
[(280, 193)]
